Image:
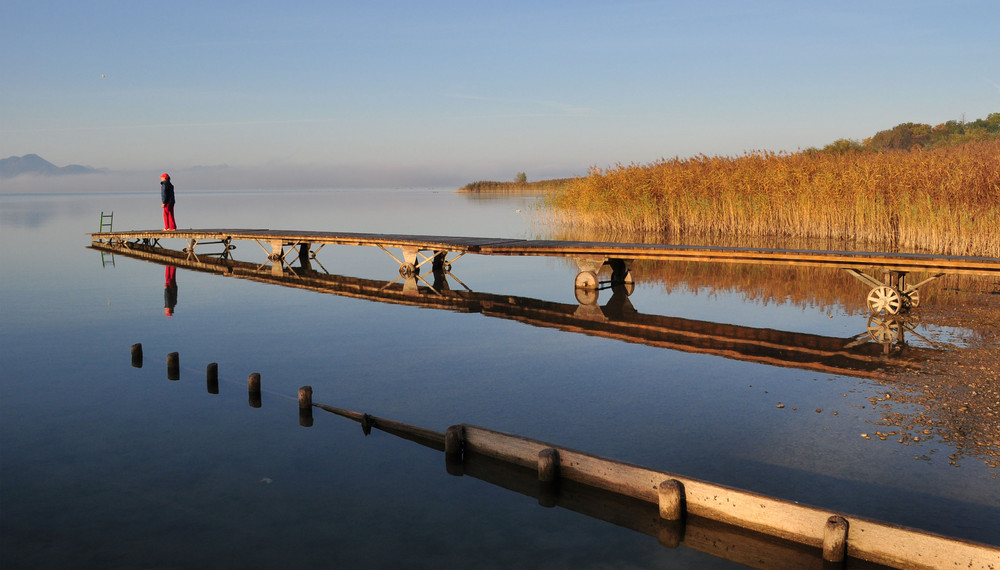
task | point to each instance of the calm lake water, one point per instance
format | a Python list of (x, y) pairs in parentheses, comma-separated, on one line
[(105, 465)]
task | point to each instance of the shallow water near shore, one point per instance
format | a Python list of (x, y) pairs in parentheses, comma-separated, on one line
[(107, 465)]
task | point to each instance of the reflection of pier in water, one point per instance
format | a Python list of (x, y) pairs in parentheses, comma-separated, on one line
[(892, 295), (617, 319)]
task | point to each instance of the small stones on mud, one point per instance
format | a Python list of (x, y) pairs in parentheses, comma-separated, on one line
[(953, 397)]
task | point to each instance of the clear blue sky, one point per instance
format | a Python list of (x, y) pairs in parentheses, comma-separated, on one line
[(425, 93)]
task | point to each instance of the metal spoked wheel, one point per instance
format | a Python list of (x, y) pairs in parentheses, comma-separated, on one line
[(885, 300)]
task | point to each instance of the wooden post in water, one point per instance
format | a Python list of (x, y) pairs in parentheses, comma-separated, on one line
[(173, 366), (548, 477), (454, 440), (671, 494), (454, 445), (306, 406), (212, 378), (137, 355), (253, 386), (671, 500), (548, 465), (835, 539)]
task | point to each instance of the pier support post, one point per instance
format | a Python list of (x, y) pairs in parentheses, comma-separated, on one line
[(137, 355), (253, 387), (438, 262), (409, 265), (835, 539), (173, 366), (212, 378), (306, 406), (304, 257), (277, 257), (586, 283), (620, 274)]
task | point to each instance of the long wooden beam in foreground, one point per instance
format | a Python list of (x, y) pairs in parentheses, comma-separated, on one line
[(598, 251), (701, 504)]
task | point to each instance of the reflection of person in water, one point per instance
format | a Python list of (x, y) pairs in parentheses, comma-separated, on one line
[(169, 290)]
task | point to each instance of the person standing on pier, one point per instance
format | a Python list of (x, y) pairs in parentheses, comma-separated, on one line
[(167, 197)]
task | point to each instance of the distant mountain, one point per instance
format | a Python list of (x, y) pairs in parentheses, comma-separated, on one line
[(34, 164)]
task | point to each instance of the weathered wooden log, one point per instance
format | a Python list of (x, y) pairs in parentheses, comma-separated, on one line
[(872, 541), (702, 503)]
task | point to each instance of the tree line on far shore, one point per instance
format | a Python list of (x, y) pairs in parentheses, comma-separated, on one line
[(906, 136)]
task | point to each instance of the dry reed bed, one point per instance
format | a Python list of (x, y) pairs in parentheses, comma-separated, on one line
[(492, 187), (945, 200)]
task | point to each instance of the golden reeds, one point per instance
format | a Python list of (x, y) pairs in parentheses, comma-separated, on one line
[(945, 200)]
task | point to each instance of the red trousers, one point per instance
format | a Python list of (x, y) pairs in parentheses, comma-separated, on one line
[(168, 217)]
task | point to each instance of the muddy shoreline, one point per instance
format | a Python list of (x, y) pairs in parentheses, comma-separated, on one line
[(955, 397)]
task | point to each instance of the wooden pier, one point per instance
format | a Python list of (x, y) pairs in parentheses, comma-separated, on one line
[(587, 252), (880, 347), (890, 293)]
